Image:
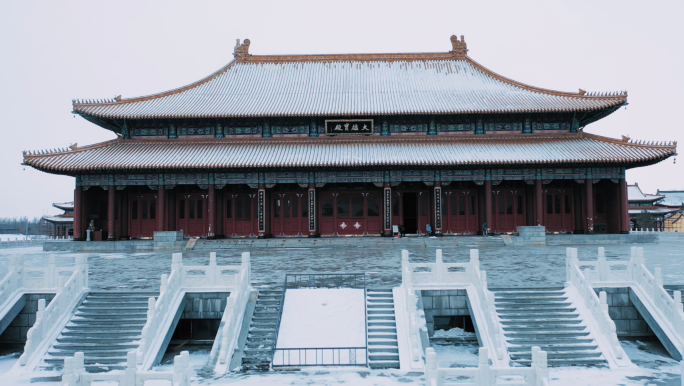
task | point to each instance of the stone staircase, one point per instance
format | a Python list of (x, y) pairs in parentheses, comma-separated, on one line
[(545, 317), (105, 327), (258, 352), (383, 347)]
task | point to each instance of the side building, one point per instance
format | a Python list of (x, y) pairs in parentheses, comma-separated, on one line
[(61, 225), (351, 144)]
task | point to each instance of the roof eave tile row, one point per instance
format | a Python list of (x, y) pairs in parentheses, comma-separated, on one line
[(469, 151)]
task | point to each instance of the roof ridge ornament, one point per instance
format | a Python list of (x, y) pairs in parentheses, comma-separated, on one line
[(459, 48), (241, 51)]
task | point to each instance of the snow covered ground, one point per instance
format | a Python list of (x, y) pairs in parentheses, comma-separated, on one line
[(323, 317), (506, 267), (12, 237)]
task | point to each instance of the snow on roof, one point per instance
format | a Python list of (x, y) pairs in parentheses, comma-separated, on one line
[(672, 197), (473, 150), (350, 85), (634, 193)]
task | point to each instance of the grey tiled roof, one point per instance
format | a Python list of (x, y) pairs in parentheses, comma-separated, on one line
[(349, 87), (428, 151)]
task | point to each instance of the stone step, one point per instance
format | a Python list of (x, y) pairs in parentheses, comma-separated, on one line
[(69, 339), (377, 318), (567, 362), (539, 315), (90, 360), (117, 309), (380, 306), (383, 357), (530, 321), (537, 341), (542, 327), (381, 336), (567, 307), (528, 289), (105, 328), (380, 349), (535, 296), (536, 311), (381, 312), (523, 302), (561, 355), (382, 342), (522, 349), (133, 335), (128, 346), (389, 323), (94, 352), (374, 329), (110, 315), (550, 334), (383, 364), (107, 322)]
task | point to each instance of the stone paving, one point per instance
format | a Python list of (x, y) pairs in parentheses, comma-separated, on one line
[(518, 266)]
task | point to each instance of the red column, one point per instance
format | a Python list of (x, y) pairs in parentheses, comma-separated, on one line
[(212, 211), (488, 203), (437, 207), (313, 215), (161, 210), (387, 209), (590, 205), (111, 196), (624, 211), (263, 214), (78, 214), (538, 201)]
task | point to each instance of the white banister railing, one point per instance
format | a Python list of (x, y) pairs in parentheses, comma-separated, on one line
[(75, 374), (234, 312), (597, 306), (68, 294), (212, 278), (485, 375), (667, 310), (440, 275)]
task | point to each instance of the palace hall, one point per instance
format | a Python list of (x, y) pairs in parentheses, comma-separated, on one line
[(350, 145)]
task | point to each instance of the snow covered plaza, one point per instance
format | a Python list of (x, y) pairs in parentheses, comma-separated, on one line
[(364, 219), (422, 323)]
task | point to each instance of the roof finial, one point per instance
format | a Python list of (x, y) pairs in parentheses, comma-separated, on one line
[(241, 50), (459, 48)]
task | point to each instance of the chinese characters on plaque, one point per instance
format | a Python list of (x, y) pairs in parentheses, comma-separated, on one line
[(349, 126)]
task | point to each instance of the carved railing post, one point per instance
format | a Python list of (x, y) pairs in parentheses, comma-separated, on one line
[(211, 271), (602, 265), (430, 366), (405, 267), (131, 368), (50, 279), (484, 366), (439, 268)]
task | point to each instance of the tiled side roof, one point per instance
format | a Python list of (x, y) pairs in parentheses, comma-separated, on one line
[(64, 205), (471, 150), (349, 85), (634, 193), (672, 197), (61, 218)]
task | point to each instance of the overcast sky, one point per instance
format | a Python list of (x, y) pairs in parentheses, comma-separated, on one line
[(56, 51)]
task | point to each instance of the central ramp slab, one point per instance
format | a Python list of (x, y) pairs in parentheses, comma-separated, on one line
[(322, 325)]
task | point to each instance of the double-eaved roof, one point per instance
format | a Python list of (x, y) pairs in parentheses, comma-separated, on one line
[(367, 85), (349, 85), (432, 151)]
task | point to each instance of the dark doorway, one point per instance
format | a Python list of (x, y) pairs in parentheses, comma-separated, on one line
[(410, 209), (446, 323)]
